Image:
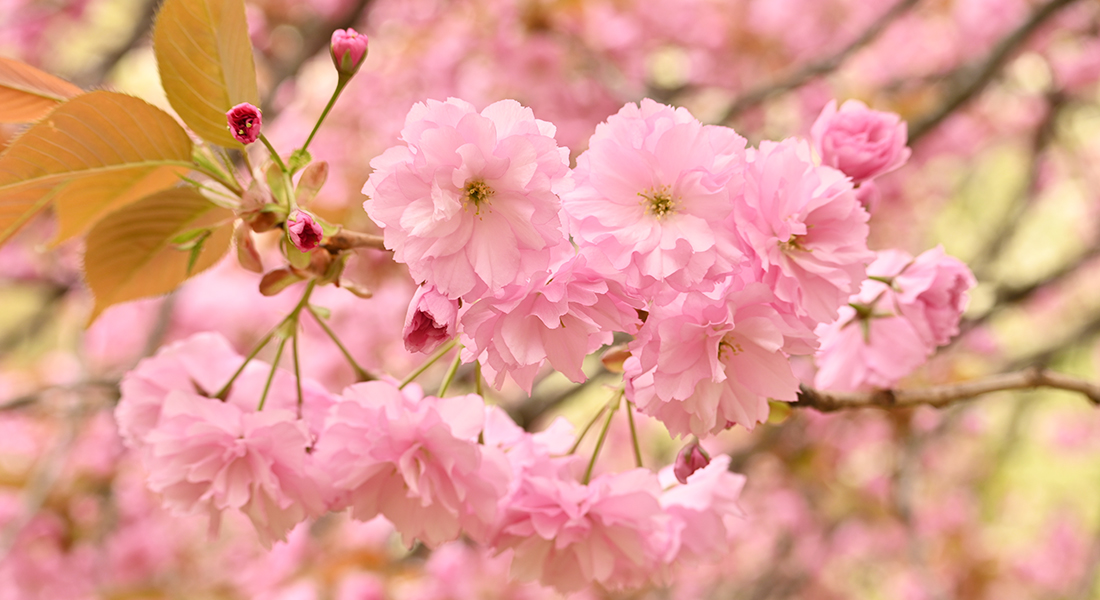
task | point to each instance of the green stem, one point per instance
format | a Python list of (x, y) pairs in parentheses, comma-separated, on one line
[(274, 154), (449, 377), (340, 85), (428, 363), (634, 434), (602, 439), (361, 373), (271, 375), (224, 391), (584, 432), (477, 377), (297, 370)]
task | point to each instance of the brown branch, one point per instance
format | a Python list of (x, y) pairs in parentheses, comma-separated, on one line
[(969, 80), (944, 395), (816, 69), (346, 240)]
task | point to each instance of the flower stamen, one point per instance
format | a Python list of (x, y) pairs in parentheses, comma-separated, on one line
[(659, 202)]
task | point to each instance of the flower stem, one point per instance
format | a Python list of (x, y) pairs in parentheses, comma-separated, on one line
[(634, 434), (274, 154), (360, 373), (297, 369), (340, 85), (603, 437), (271, 375), (477, 379), (428, 363), (224, 391), (449, 377)]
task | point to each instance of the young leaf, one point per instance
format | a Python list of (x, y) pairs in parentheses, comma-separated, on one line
[(27, 94), (131, 253), (96, 153), (205, 61)]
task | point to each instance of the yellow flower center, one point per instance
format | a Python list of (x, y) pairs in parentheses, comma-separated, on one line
[(659, 202)]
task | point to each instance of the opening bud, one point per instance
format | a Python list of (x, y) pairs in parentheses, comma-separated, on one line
[(303, 231), (691, 459), (349, 49), (244, 122)]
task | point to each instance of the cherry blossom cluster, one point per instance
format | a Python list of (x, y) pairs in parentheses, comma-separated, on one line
[(720, 261), (436, 468)]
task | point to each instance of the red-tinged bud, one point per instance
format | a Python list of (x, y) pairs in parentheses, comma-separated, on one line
[(304, 232), (691, 459), (349, 50), (244, 122)]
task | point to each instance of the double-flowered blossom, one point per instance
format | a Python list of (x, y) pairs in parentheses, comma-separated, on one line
[(652, 193), (206, 455), (860, 142), (470, 201), (701, 364), (557, 317), (908, 308), (415, 460), (569, 535), (805, 228)]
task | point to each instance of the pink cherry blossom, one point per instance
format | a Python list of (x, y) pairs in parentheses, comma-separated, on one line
[(414, 460), (557, 317), (470, 201), (653, 190), (895, 321), (701, 365), (431, 320), (700, 509), (860, 142), (806, 229), (206, 455), (568, 535)]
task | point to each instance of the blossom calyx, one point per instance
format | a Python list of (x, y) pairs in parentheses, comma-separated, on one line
[(244, 122), (349, 50)]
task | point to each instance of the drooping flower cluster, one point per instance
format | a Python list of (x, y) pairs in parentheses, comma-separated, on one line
[(907, 308), (436, 468)]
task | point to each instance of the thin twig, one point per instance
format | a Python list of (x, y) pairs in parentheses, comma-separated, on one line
[(816, 69), (969, 80), (943, 395)]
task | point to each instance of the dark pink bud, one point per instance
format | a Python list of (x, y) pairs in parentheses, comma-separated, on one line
[(431, 320), (244, 122), (691, 459), (348, 49), (304, 232)]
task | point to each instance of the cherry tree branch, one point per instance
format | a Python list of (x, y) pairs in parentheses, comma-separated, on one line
[(818, 68), (346, 240), (969, 80), (944, 395)]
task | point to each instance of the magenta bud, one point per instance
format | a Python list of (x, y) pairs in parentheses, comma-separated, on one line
[(349, 49), (691, 459), (244, 122), (304, 232)]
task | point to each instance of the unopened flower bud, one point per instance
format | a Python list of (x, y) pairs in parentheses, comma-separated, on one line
[(691, 459), (349, 49), (244, 122), (431, 320), (304, 232)]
